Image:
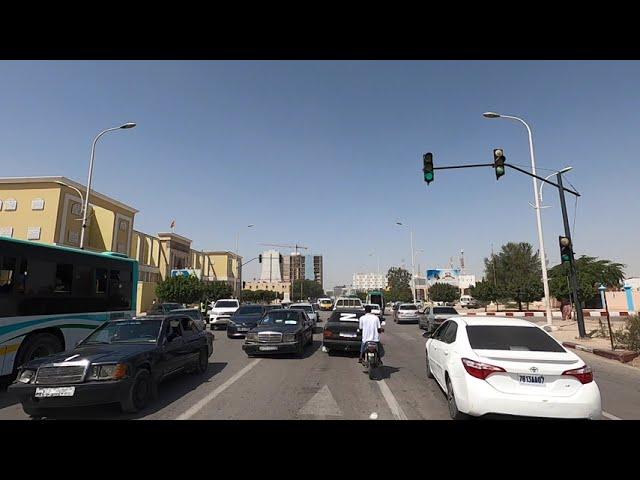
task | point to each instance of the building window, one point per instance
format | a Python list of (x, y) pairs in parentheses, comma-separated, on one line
[(6, 232), (37, 204), (76, 209), (124, 225), (33, 233), (10, 205)]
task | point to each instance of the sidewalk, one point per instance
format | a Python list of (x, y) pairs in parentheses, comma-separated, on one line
[(567, 334)]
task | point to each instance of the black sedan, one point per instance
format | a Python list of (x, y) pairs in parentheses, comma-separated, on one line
[(244, 319), (341, 331), (122, 361), (280, 331)]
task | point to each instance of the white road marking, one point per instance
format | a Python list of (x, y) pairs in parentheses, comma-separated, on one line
[(393, 404), (609, 416), (201, 404), (322, 404)]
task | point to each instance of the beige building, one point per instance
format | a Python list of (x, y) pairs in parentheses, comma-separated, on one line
[(278, 287), (49, 210)]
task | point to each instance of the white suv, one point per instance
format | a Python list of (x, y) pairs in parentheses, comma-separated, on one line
[(221, 312), (348, 303)]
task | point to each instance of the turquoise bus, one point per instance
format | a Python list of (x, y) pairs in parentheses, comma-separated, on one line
[(51, 297)]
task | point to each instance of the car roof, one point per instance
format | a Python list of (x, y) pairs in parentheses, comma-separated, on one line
[(480, 320), (180, 310), (252, 305), (303, 304), (153, 316)]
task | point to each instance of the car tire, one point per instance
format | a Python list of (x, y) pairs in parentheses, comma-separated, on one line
[(429, 374), (454, 413), (139, 394), (203, 361), (34, 413), (300, 350)]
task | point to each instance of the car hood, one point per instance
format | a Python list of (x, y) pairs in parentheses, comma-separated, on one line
[(276, 328), (95, 354)]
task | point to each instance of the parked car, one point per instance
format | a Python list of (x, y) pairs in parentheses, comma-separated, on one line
[(307, 307), (434, 316), (467, 301), (244, 319), (506, 366), (407, 312), (164, 308), (280, 331), (195, 314), (222, 311), (348, 303), (341, 331), (122, 361)]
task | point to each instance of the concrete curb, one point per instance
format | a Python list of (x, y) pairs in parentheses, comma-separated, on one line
[(623, 356), (587, 313)]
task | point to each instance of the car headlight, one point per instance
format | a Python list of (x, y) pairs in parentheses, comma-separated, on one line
[(289, 337), (252, 337), (115, 371), (26, 376)]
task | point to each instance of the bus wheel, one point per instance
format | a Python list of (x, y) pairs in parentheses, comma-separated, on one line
[(37, 345)]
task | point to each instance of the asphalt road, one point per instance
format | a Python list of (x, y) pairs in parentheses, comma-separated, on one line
[(319, 386)]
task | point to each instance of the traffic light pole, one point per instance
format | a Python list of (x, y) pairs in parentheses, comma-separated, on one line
[(572, 261)]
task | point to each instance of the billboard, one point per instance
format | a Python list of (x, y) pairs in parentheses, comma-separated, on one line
[(443, 275), (187, 272)]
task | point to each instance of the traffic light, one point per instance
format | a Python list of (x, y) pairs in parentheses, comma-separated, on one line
[(427, 169), (244, 284), (260, 258), (498, 162), (281, 259), (565, 249)]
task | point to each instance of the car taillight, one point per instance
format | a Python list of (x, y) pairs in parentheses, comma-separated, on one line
[(584, 374), (327, 334), (480, 370)]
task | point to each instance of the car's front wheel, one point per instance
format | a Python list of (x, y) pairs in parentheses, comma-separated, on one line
[(139, 393)]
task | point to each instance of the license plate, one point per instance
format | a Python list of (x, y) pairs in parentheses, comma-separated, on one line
[(243, 329), (348, 335), (55, 392), (532, 379), (266, 349)]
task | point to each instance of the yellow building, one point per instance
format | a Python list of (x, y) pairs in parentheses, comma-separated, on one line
[(49, 210), (278, 287)]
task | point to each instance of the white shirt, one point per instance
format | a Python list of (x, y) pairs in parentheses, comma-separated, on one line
[(369, 324)]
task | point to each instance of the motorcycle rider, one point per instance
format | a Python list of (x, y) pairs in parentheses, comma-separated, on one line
[(369, 325)]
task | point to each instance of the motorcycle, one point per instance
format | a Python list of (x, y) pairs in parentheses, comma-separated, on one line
[(371, 359)]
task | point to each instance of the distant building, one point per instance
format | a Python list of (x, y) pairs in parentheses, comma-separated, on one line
[(271, 266), (278, 287), (340, 290), (369, 281), (297, 266)]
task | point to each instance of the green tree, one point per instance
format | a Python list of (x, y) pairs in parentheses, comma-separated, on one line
[(443, 292), (310, 289), (213, 291), (517, 273), (179, 289), (591, 273), (485, 291), (248, 296), (399, 285)]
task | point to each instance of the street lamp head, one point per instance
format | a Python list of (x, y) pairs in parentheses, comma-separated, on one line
[(128, 125), (399, 223), (250, 225), (491, 115), (565, 169)]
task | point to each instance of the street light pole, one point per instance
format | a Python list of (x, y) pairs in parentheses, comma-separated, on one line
[(543, 260), (86, 198), (413, 268), (237, 289)]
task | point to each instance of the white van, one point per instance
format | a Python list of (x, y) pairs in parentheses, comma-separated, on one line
[(467, 301), (350, 303)]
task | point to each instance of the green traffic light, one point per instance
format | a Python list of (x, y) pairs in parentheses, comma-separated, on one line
[(428, 176), (500, 170)]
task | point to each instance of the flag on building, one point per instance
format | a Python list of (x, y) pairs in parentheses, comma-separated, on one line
[(173, 223)]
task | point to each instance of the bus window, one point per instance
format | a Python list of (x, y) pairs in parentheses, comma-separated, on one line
[(82, 284), (64, 278), (7, 274), (119, 290), (101, 280), (21, 277)]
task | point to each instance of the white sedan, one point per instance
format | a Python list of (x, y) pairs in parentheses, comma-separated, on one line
[(506, 366)]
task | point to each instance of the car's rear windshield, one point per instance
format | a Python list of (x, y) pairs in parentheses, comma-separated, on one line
[(226, 304), (248, 310), (281, 317), (508, 337), (350, 303), (440, 310), (306, 308), (408, 307), (125, 331)]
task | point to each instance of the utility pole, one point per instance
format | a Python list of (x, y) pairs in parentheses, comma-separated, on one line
[(572, 261)]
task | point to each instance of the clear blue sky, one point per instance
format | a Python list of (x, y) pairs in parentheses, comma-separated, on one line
[(328, 154)]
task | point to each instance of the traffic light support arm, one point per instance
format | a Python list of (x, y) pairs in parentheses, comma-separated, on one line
[(465, 166), (254, 258), (543, 179)]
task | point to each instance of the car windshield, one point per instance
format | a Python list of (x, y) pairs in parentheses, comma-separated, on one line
[(125, 331), (226, 304), (509, 337), (408, 307), (306, 308), (281, 317), (444, 310), (249, 310)]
